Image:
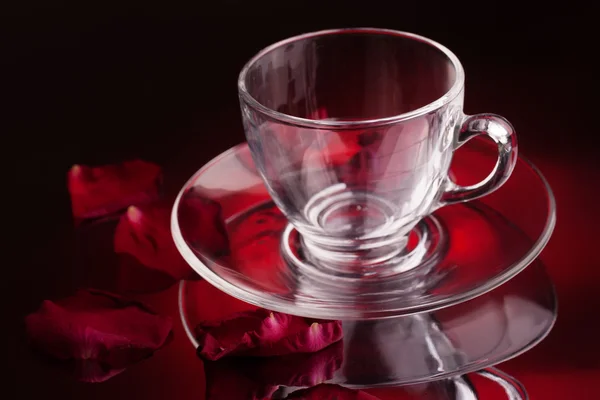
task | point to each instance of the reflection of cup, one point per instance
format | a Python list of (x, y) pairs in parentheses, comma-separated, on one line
[(459, 388), (396, 350), (353, 131)]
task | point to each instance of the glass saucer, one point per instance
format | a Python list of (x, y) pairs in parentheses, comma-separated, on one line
[(227, 228), (406, 350)]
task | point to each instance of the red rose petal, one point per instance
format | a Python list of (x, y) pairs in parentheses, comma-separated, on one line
[(255, 245), (264, 333), (93, 371), (100, 331), (134, 278), (202, 224), (100, 191), (267, 222), (144, 233), (327, 391), (298, 370), (257, 378), (90, 371)]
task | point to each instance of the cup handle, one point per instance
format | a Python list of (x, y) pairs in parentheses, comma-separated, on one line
[(503, 134)]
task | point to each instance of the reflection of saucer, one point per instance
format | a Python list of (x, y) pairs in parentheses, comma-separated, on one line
[(478, 245), (418, 348), (485, 384), (280, 377)]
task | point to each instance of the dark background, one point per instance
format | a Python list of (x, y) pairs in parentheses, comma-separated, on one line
[(96, 82)]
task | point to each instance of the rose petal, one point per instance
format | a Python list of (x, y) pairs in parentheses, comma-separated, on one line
[(264, 333), (297, 370), (101, 332), (100, 191), (202, 224), (134, 278), (265, 223), (89, 370), (93, 371), (257, 378), (327, 391), (144, 233), (255, 243)]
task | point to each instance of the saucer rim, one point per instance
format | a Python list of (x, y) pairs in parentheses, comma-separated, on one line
[(318, 311)]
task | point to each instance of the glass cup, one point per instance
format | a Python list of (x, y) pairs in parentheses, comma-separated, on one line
[(353, 132)]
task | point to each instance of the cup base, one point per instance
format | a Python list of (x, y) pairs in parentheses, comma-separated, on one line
[(342, 211), (351, 229), (415, 255)]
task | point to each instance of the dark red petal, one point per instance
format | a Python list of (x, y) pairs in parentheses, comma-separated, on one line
[(88, 370), (144, 233), (265, 333), (93, 371), (257, 378), (297, 370), (134, 278), (255, 245), (303, 335), (100, 191), (202, 224), (217, 339), (265, 223), (327, 391), (98, 327)]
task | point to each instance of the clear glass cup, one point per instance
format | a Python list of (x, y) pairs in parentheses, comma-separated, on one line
[(353, 132)]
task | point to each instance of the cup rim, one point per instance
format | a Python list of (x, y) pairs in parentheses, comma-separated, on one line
[(449, 96)]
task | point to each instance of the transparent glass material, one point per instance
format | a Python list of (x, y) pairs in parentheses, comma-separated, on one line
[(466, 249), (353, 132), (413, 349)]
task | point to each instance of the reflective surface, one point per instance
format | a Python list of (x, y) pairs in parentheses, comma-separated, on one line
[(483, 385), (423, 347), (466, 249)]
